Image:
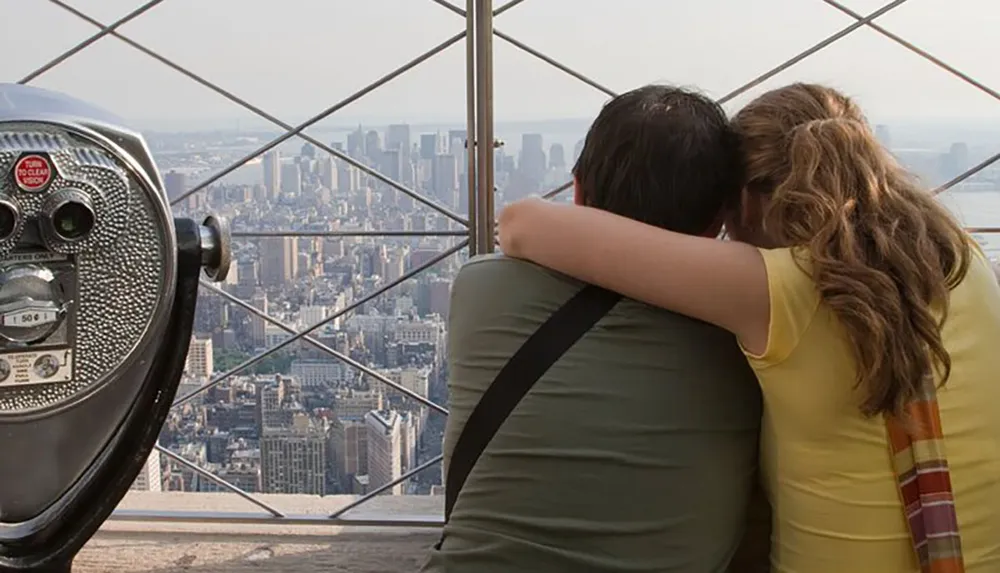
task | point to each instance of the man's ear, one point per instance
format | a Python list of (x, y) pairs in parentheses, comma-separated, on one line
[(577, 192)]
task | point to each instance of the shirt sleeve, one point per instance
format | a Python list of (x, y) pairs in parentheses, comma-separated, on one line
[(793, 299)]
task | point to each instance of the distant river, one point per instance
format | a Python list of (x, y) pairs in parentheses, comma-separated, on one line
[(977, 209)]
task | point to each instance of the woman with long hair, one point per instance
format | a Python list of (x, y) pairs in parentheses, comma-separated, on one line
[(871, 319)]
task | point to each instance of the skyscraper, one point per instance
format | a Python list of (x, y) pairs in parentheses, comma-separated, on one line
[(349, 451), (328, 173), (272, 172), (151, 476), (279, 260), (373, 143), (431, 144), (175, 183), (200, 360), (356, 143), (392, 163), (291, 179), (444, 179), (532, 161), (398, 137), (557, 157), (293, 460), (456, 140), (385, 450), (258, 328)]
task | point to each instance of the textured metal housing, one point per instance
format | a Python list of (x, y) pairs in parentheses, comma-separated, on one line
[(121, 264)]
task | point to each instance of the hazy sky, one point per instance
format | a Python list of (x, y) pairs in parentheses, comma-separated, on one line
[(295, 57)]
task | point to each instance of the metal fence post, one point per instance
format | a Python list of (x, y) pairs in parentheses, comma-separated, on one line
[(484, 126), (471, 151)]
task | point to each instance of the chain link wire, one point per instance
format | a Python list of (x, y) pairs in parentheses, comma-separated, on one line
[(290, 131)]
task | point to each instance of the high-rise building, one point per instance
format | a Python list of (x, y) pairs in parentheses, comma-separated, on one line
[(274, 405), (247, 273), (272, 173), (398, 137), (439, 297), (294, 460), (385, 450), (151, 476), (258, 326), (320, 373), (348, 178), (352, 405), (175, 183), (200, 361), (373, 144), (414, 379), (213, 313), (291, 179), (279, 260), (393, 163), (356, 141), (328, 173), (532, 161), (456, 141), (432, 144), (410, 428), (444, 179), (557, 157), (349, 450)]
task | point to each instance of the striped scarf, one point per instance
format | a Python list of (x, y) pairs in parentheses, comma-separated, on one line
[(925, 485)]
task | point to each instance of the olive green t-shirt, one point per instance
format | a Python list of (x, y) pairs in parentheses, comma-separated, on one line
[(635, 452)]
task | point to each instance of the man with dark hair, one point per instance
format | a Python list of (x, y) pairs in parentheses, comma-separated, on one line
[(636, 450), (660, 155)]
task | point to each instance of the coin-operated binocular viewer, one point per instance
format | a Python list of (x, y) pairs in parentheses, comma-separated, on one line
[(98, 284)]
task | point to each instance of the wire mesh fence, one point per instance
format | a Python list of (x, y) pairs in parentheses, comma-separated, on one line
[(471, 231)]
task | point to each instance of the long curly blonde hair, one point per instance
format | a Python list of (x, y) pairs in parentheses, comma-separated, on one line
[(883, 253)]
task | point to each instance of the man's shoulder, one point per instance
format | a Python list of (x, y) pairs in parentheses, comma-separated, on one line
[(497, 272), (492, 286), (500, 263), (507, 281)]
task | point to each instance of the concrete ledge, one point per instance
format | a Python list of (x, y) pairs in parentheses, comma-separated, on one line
[(348, 552), (199, 545)]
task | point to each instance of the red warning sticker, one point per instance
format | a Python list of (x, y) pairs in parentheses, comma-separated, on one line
[(32, 172)]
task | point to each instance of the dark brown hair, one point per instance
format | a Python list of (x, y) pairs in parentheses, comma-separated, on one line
[(663, 155)]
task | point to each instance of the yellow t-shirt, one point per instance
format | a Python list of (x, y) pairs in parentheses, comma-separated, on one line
[(827, 469)]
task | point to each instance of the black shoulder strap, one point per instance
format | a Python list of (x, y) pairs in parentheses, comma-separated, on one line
[(542, 349)]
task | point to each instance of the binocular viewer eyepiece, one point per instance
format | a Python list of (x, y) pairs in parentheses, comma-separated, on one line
[(68, 216), (98, 285)]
